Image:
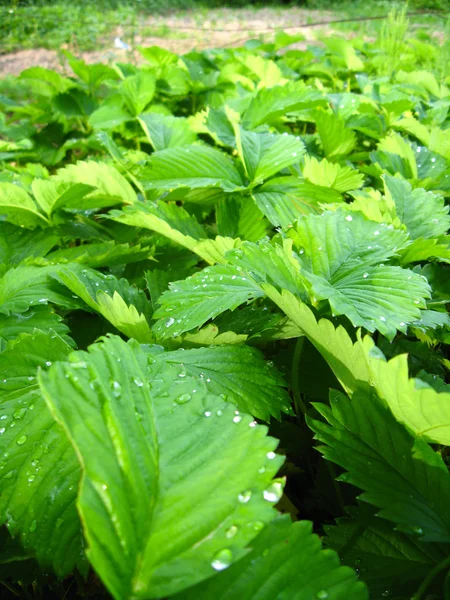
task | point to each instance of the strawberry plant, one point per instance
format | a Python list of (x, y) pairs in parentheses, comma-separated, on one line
[(224, 331)]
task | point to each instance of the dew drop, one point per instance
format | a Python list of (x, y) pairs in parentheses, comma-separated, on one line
[(257, 525), (2, 430), (18, 414), (237, 419), (271, 455), (245, 496), (274, 492), (366, 275), (33, 526), (117, 388), (231, 532), (183, 399), (222, 560), (22, 440), (349, 218), (382, 318), (322, 594), (207, 413), (48, 363), (170, 322)]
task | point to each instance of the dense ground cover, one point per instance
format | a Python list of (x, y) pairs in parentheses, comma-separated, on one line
[(223, 324)]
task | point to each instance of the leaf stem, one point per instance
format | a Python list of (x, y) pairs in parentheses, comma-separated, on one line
[(429, 578), (300, 407)]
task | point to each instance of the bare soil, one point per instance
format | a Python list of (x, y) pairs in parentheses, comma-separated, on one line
[(181, 33)]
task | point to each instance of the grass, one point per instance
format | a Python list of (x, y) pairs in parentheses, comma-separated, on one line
[(87, 26)]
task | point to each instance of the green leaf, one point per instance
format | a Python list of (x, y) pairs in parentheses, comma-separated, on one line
[(336, 139), (193, 167), (341, 256), (347, 360), (394, 145), (425, 411), (145, 494), (238, 374), (421, 250), (165, 219), (270, 263), (109, 116), (264, 154), (17, 244), (39, 317), (424, 213), (327, 174), (345, 50), (390, 562), (101, 254), (286, 561), (166, 132), (412, 483), (122, 305), (26, 286), (271, 103), (45, 81), (284, 199), (110, 186), (19, 208), (39, 470), (53, 195), (203, 296), (138, 91), (239, 217)]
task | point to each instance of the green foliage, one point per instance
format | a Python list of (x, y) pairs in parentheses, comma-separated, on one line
[(206, 258)]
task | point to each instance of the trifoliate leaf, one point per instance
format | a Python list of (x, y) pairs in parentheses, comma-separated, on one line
[(342, 255)]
